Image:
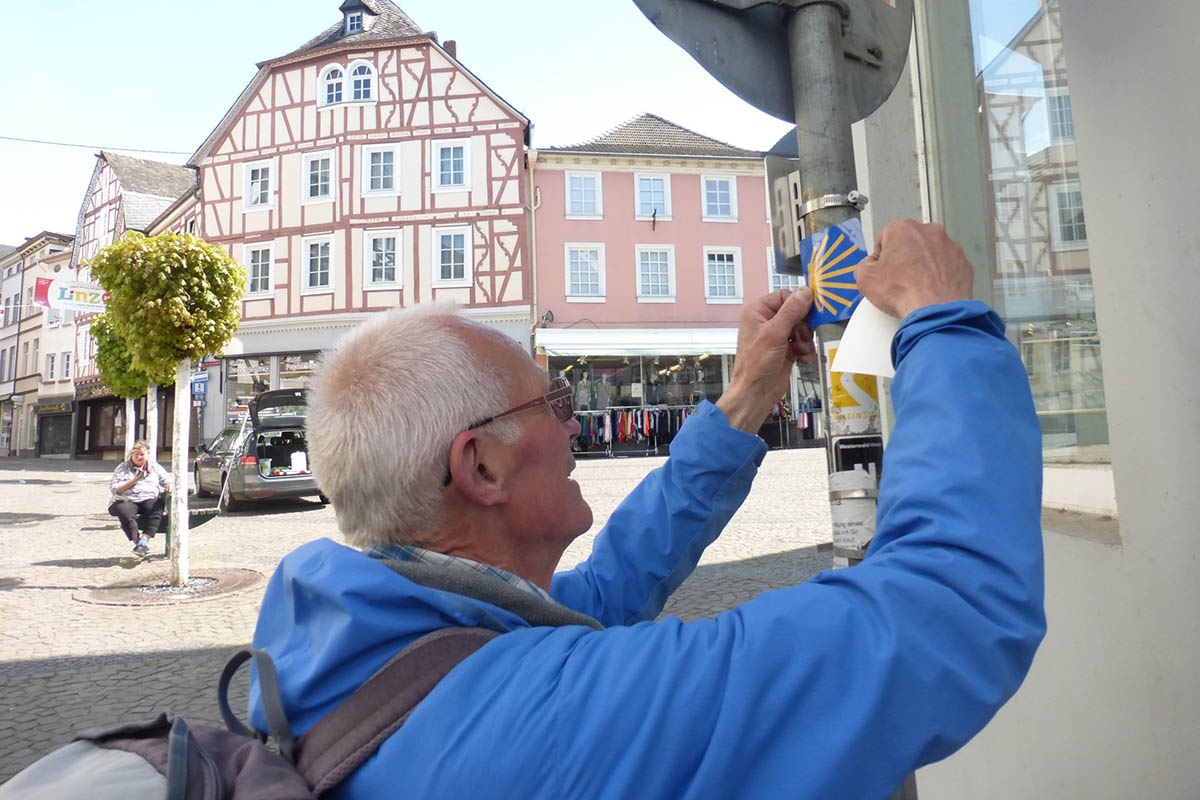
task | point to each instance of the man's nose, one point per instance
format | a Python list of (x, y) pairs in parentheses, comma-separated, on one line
[(573, 427)]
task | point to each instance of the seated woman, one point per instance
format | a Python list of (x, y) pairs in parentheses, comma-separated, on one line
[(137, 485)]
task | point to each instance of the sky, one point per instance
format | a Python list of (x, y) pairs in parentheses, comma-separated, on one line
[(127, 75)]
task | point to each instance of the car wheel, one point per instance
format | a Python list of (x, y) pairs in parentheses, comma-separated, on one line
[(228, 503), (324, 500), (200, 491)]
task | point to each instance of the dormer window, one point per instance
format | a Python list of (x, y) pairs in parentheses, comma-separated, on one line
[(354, 22)]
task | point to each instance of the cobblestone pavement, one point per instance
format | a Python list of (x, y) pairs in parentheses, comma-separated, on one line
[(66, 665)]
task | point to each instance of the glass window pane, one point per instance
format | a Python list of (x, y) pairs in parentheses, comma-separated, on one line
[(1042, 282)]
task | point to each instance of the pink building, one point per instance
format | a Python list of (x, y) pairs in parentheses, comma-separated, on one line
[(649, 238)]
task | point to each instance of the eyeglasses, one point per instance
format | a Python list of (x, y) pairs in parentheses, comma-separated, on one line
[(560, 400)]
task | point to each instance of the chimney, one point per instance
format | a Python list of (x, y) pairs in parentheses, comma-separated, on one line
[(451, 47)]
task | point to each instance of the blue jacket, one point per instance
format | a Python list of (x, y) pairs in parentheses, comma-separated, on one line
[(837, 687)]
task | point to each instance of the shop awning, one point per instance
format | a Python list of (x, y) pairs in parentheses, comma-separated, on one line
[(636, 341)]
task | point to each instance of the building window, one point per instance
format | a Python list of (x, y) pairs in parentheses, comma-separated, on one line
[(655, 274), (583, 195), (318, 176), (1068, 230), (653, 196), (1062, 121), (452, 161), (354, 22), (258, 185), (380, 259), (720, 198), (381, 167), (361, 78), (49, 376), (258, 267), (777, 281), (3, 364), (317, 258), (452, 256), (722, 275), (332, 83), (585, 273), (66, 365)]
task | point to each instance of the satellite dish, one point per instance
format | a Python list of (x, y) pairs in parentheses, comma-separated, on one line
[(744, 45)]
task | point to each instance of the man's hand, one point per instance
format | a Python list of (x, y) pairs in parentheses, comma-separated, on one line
[(913, 266), (772, 336)]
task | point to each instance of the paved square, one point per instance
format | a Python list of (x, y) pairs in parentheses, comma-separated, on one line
[(67, 665)]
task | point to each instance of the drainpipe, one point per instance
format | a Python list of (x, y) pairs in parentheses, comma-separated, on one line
[(535, 202)]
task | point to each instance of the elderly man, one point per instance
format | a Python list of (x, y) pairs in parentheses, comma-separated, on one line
[(445, 448)]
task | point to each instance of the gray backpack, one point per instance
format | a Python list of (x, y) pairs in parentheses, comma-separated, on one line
[(167, 758)]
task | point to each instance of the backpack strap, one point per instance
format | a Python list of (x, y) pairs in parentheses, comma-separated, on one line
[(350, 734), (268, 684)]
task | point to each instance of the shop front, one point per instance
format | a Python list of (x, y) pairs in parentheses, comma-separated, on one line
[(54, 417), (100, 421), (635, 387), (6, 425)]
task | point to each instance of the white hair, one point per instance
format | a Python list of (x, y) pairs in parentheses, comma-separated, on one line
[(384, 408)]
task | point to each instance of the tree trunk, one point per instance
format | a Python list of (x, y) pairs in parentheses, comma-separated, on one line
[(152, 420), (179, 476), (130, 424)]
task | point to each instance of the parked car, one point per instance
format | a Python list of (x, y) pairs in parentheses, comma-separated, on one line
[(265, 458)]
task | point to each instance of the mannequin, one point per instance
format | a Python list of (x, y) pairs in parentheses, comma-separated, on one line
[(583, 392), (603, 392)]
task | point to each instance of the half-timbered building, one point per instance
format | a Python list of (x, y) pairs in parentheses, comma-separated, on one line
[(125, 194), (367, 169)]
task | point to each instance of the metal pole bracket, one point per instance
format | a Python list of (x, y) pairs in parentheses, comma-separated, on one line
[(854, 199)]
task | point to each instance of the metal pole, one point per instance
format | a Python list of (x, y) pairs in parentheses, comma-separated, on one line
[(826, 165)]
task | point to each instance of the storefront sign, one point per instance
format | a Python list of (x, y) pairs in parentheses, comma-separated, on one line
[(69, 295), (56, 407), (92, 391)]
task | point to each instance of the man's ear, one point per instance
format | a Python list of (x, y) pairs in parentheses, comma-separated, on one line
[(473, 468)]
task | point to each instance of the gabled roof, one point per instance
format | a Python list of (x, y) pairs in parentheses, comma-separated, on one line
[(47, 236), (390, 23), (154, 178), (648, 134)]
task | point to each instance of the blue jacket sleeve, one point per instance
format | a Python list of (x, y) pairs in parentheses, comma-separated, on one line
[(654, 539), (837, 687)]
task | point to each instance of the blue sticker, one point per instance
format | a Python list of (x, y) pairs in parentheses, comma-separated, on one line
[(830, 257)]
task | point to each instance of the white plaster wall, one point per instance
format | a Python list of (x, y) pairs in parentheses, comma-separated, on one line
[(1111, 708)]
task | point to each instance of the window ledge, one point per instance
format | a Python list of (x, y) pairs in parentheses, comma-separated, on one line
[(586, 298), (380, 286), (252, 209), (344, 103), (440, 189), (585, 216), (648, 218), (267, 295), (316, 290), (723, 301), (718, 219), (315, 201), (655, 299), (451, 284), (380, 193)]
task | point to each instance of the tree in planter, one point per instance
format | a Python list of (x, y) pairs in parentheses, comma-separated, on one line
[(172, 299), (116, 368)]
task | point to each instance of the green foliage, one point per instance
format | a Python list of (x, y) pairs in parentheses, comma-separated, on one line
[(171, 297), (112, 359)]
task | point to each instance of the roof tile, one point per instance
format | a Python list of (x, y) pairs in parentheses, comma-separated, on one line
[(390, 23), (647, 134), (141, 176)]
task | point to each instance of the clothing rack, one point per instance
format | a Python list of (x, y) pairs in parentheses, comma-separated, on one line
[(603, 431)]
